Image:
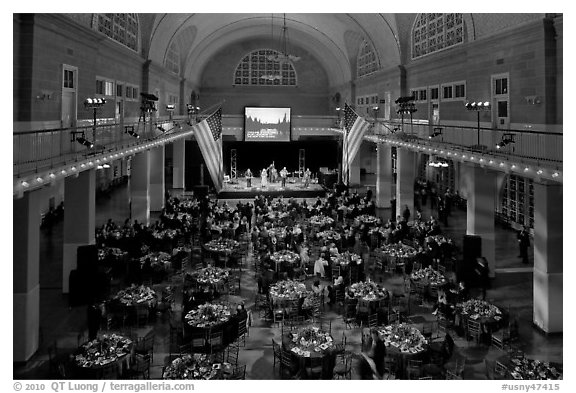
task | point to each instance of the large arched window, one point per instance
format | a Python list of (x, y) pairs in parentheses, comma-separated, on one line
[(367, 62), (122, 28), (172, 61), (435, 32), (262, 68)]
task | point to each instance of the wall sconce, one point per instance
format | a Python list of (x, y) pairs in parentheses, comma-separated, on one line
[(45, 95), (532, 100)]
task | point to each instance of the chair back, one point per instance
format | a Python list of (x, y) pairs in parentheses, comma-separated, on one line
[(373, 320), (451, 375), (500, 369), (239, 372)]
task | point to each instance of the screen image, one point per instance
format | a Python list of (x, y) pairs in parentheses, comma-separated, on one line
[(266, 124)]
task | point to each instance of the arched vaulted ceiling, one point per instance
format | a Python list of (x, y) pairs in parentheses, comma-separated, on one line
[(333, 38)]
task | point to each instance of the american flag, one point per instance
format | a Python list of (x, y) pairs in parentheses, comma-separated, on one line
[(208, 133), (354, 129)]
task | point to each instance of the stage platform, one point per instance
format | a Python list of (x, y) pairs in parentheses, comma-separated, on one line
[(238, 189)]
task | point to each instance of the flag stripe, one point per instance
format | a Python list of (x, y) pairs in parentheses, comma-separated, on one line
[(208, 134), (354, 127)]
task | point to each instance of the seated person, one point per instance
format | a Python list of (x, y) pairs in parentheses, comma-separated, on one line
[(316, 288)]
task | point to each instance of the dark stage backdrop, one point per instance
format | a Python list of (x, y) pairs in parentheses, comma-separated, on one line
[(258, 155)]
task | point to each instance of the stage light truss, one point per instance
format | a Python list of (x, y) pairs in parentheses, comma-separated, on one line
[(233, 168)]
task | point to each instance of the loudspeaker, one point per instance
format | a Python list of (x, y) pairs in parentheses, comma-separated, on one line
[(87, 258), (472, 247)]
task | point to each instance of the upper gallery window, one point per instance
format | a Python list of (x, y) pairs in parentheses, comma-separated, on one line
[(435, 32), (262, 68), (172, 61), (366, 63), (122, 28)]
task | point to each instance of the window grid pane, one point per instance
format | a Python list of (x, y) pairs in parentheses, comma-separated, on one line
[(434, 32), (122, 28), (254, 67)]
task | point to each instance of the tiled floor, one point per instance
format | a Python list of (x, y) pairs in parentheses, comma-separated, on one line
[(512, 289)]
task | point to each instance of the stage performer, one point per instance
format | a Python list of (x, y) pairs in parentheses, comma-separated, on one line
[(248, 178), (307, 177), (272, 172), (264, 175), (283, 176)]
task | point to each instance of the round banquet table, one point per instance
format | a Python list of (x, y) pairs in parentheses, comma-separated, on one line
[(302, 354), (366, 219), (93, 356), (489, 322), (204, 279), (429, 278), (523, 368), (285, 260), (228, 327), (221, 247), (400, 253), (284, 292), (196, 366), (369, 295), (126, 300), (400, 350)]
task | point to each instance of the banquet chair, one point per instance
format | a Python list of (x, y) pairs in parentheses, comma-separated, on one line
[(315, 368), (145, 345), (473, 330), (278, 317), (335, 272), (414, 369), (218, 357), (442, 269), (184, 349), (390, 367), (109, 371), (286, 365), (276, 350), (142, 315), (500, 371), (239, 372), (451, 375), (427, 330), (215, 341), (140, 368), (343, 367), (242, 331), (232, 354), (198, 343), (372, 320)]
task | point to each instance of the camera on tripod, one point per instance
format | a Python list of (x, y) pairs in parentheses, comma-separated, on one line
[(148, 102)]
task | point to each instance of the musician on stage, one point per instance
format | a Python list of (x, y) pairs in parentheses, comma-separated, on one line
[(264, 175), (272, 173), (283, 176), (248, 178), (307, 175)]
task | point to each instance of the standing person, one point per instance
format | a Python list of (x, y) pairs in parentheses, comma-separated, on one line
[(264, 176), (524, 243), (248, 178), (94, 316), (406, 213), (307, 175), (283, 175)]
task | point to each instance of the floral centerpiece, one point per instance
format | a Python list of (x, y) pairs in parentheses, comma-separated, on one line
[(222, 245), (208, 314), (311, 338), (278, 232), (276, 215), (434, 277), (287, 289), (328, 235), (439, 239), (103, 350), (191, 366), (404, 337), (113, 252), (285, 256), (165, 234), (134, 295), (367, 219), (209, 275), (158, 260), (476, 308), (525, 368), (367, 291), (321, 220), (399, 250), (347, 258)]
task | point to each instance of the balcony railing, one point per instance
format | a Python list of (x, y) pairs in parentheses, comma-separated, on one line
[(538, 147)]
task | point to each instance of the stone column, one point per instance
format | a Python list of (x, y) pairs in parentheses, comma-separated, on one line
[(179, 163), (548, 257), (140, 187), (79, 219), (481, 184), (405, 173), (26, 279), (157, 187), (384, 175)]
